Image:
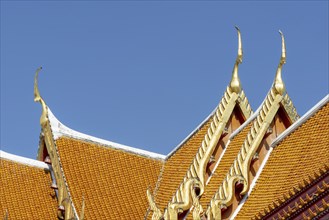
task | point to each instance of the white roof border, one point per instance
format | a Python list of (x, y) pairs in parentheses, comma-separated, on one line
[(301, 120), (23, 160), (59, 130), (288, 131), (252, 185)]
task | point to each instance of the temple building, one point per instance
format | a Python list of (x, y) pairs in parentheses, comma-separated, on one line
[(237, 164)]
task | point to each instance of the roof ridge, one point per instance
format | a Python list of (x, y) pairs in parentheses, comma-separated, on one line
[(301, 120), (280, 138), (191, 134), (59, 130), (24, 160), (287, 163), (64, 197)]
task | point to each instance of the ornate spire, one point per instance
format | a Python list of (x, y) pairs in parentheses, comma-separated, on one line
[(66, 209), (38, 98), (278, 83), (235, 84)]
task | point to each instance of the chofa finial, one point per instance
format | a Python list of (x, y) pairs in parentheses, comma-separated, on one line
[(235, 81), (278, 83), (38, 98)]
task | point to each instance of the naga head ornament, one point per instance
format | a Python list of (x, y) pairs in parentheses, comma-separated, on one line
[(235, 83), (38, 98)]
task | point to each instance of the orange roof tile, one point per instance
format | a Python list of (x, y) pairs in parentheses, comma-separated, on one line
[(25, 192), (113, 182), (312, 195), (296, 158), (176, 166)]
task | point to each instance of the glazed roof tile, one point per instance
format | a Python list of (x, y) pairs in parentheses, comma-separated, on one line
[(175, 167), (301, 152), (25, 189), (231, 150), (112, 182)]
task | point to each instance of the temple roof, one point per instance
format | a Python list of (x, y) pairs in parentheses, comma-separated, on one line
[(235, 163), (298, 155), (25, 189), (235, 169)]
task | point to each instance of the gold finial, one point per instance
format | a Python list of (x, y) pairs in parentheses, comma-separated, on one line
[(38, 98), (235, 81), (278, 83)]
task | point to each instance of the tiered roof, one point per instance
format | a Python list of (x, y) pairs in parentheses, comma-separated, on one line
[(235, 164)]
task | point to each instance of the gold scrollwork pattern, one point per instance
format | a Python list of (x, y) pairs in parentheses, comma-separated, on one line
[(189, 198), (239, 171), (65, 204), (244, 105), (198, 167), (153, 207), (233, 95), (290, 109)]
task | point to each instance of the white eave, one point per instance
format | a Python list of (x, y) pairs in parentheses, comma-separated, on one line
[(301, 120), (288, 131), (23, 160), (59, 130)]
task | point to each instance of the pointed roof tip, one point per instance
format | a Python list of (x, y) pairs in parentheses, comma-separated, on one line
[(278, 82), (283, 53), (240, 52), (38, 98), (235, 84)]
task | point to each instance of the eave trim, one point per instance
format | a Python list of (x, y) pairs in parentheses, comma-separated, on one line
[(301, 120), (23, 160), (59, 130)]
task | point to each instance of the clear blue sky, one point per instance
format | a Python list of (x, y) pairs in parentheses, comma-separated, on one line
[(145, 74)]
